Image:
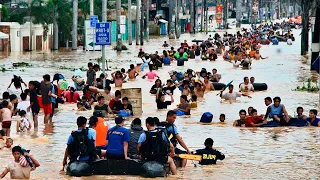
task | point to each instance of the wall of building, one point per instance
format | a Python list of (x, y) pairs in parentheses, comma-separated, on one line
[(19, 36)]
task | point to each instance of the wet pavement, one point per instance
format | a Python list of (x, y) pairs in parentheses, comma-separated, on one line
[(251, 153)]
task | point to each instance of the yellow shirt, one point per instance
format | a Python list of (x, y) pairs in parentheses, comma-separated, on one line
[(194, 104)]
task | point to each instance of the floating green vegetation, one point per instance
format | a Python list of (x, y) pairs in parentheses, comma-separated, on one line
[(308, 87), (21, 64), (72, 68)]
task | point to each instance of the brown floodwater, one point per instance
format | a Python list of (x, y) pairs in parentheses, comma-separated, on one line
[(251, 153)]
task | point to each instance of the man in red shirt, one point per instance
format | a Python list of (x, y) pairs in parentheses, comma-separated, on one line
[(255, 120), (115, 102)]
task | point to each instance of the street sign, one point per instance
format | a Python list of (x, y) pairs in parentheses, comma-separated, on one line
[(103, 33), (93, 20)]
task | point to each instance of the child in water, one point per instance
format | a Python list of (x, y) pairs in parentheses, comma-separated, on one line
[(194, 103), (23, 124), (9, 143), (83, 105), (6, 114), (222, 118)]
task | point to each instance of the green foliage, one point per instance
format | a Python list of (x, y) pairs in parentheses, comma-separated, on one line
[(307, 87), (5, 12)]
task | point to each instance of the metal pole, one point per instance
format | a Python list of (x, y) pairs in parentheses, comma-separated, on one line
[(93, 29), (91, 8), (142, 24), (147, 20), (129, 23), (103, 49), (119, 36), (172, 19), (75, 25), (138, 12)]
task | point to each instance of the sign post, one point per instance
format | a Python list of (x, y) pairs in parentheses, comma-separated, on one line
[(103, 37), (93, 21)]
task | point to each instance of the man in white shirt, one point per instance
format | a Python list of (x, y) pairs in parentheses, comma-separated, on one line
[(231, 95), (24, 104), (246, 86)]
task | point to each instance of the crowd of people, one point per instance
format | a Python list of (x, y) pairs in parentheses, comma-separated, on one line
[(94, 93)]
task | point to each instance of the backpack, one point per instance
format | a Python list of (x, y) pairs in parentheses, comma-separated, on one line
[(170, 136), (155, 148), (81, 146)]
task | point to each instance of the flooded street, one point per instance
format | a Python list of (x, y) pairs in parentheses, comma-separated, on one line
[(251, 153)]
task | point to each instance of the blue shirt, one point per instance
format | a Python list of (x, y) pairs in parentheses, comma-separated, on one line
[(143, 137), (275, 111), (173, 129), (91, 135), (315, 122), (116, 138)]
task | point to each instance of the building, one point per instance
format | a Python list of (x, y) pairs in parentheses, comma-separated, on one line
[(19, 37)]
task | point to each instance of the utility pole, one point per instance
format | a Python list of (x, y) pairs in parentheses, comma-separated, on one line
[(103, 49), (238, 13), (207, 17), (178, 30), (119, 37), (75, 25), (192, 16), (142, 23), (147, 19), (129, 23), (202, 14), (138, 18), (30, 19), (172, 19), (91, 8), (225, 13)]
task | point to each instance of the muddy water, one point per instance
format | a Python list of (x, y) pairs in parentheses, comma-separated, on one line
[(260, 153)]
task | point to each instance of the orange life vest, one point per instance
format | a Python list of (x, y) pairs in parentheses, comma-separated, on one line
[(101, 132)]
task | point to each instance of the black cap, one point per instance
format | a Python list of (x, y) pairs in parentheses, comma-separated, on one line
[(98, 113), (119, 120)]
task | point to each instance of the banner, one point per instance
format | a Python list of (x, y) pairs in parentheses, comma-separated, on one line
[(219, 9)]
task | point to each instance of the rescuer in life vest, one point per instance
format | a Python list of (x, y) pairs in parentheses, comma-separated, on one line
[(209, 155)]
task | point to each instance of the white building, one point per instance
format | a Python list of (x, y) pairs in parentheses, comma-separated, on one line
[(19, 37)]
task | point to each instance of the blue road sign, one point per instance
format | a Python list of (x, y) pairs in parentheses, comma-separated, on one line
[(93, 20), (103, 33)]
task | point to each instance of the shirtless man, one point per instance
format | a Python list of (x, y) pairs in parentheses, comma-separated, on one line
[(208, 85), (118, 78), (258, 56), (199, 89), (132, 73)]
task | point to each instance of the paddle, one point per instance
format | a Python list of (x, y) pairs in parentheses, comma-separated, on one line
[(226, 86), (190, 157)]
